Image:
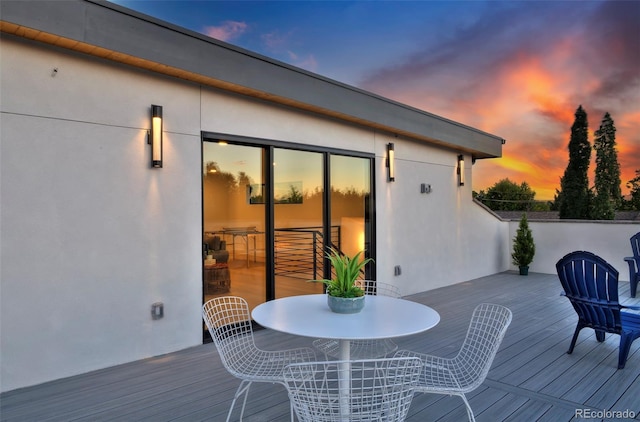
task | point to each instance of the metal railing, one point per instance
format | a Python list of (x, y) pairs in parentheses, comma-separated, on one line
[(299, 251)]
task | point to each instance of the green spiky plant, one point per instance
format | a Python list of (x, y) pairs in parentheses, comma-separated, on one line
[(347, 270)]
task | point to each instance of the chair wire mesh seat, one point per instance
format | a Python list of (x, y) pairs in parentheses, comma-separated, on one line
[(591, 285), (229, 323), (468, 369), (363, 349), (357, 390)]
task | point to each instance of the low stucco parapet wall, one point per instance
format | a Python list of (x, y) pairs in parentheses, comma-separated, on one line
[(556, 238)]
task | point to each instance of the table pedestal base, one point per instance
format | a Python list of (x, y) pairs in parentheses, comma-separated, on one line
[(344, 378)]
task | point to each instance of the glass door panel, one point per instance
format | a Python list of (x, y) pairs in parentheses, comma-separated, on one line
[(233, 221), (350, 202), (298, 221)]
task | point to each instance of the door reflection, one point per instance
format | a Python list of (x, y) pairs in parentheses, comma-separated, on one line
[(233, 220)]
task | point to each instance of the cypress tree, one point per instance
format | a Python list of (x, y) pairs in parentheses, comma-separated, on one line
[(608, 194), (574, 195)]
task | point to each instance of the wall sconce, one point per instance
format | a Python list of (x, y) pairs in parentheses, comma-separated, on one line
[(391, 163), (155, 138), (461, 170)]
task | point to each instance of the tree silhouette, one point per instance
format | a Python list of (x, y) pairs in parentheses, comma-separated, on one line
[(574, 195), (506, 195), (634, 185), (608, 195)]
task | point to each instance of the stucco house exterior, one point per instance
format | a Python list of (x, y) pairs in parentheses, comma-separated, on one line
[(92, 235)]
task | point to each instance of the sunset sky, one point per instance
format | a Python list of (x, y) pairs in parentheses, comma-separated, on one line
[(516, 69)]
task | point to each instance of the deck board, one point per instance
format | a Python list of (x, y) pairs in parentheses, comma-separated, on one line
[(532, 378)]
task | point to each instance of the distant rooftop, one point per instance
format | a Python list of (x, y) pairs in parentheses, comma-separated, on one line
[(553, 215)]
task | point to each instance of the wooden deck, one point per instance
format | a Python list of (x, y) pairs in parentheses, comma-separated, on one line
[(532, 377)]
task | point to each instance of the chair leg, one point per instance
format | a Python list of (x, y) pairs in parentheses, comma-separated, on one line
[(243, 388), (625, 346), (634, 277), (575, 337), (468, 406), (244, 401)]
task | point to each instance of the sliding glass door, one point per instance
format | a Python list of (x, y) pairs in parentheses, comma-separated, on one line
[(270, 212)]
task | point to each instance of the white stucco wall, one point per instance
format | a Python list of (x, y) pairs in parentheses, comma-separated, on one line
[(88, 243), (434, 237), (91, 236)]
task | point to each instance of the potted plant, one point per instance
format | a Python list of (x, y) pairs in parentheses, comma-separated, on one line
[(523, 246), (343, 295)]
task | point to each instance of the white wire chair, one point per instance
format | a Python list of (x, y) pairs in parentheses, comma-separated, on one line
[(363, 349), (372, 287), (229, 323), (469, 368), (358, 390)]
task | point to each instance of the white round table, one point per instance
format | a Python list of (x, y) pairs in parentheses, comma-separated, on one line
[(310, 316)]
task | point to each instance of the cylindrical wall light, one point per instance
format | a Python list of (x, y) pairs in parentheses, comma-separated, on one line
[(461, 170), (156, 136), (391, 163)]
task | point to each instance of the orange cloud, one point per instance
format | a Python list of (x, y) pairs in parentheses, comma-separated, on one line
[(525, 86), (528, 105)]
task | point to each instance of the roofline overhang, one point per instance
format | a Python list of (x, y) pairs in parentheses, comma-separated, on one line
[(115, 33)]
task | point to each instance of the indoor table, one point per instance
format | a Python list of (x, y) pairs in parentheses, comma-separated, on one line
[(310, 316)]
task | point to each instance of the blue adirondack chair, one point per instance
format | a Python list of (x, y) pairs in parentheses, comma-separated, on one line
[(591, 284), (634, 264)]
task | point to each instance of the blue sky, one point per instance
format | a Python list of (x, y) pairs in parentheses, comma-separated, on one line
[(517, 69)]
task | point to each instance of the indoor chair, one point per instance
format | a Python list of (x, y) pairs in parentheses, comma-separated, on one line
[(217, 248)]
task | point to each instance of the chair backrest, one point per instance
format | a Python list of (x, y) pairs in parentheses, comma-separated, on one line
[(372, 287), (214, 242), (376, 390), (229, 323), (635, 245), (591, 284), (487, 328)]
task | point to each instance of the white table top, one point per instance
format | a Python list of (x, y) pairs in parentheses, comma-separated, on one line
[(310, 316)]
